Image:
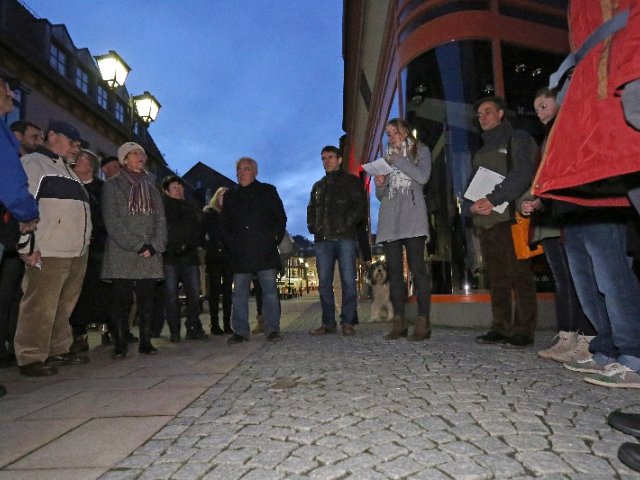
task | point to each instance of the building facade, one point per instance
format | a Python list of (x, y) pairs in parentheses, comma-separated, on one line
[(428, 62)]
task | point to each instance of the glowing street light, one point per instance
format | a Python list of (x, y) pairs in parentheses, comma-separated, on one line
[(147, 107), (113, 69)]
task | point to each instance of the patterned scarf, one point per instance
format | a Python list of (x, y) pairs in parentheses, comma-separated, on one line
[(140, 200), (399, 182)]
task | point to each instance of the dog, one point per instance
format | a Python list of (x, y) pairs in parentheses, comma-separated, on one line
[(381, 307)]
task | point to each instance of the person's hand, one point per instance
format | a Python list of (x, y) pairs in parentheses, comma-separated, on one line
[(33, 260), (380, 180), (145, 254), (529, 206), (394, 157), (482, 207), (30, 226)]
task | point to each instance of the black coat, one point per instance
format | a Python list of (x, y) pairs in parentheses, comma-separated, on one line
[(253, 223), (183, 232)]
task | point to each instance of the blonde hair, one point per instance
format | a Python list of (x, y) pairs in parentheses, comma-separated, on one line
[(216, 201)]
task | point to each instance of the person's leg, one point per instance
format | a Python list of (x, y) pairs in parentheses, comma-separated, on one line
[(122, 291), (492, 245), (240, 310), (227, 287), (393, 257), (270, 301), (421, 283), (215, 288), (190, 276), (11, 272), (526, 299), (347, 254), (171, 306), (145, 294), (325, 263)]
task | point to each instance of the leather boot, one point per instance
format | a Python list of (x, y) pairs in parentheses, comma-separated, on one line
[(259, 328), (145, 345), (398, 328), (120, 344), (422, 330)]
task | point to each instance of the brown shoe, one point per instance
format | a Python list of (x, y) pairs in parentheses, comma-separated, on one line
[(322, 330), (348, 330)]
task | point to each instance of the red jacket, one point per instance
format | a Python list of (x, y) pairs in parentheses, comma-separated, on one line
[(590, 140)]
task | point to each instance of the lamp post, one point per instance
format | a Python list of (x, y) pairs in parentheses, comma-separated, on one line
[(147, 107)]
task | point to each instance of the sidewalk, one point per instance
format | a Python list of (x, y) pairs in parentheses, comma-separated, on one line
[(313, 407)]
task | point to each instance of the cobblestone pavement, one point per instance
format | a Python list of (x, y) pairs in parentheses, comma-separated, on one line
[(363, 407)]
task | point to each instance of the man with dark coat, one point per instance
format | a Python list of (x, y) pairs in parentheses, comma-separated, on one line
[(253, 223)]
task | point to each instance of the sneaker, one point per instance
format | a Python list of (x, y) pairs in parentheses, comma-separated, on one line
[(564, 342), (579, 352), (235, 339), (274, 337), (492, 336), (585, 365), (616, 375), (196, 334)]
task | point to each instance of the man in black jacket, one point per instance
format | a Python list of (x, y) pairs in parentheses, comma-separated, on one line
[(253, 224), (338, 205)]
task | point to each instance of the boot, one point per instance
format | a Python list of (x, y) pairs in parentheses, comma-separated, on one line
[(422, 330), (145, 345), (80, 344), (398, 328), (215, 327), (120, 344), (259, 328), (227, 326), (566, 341)]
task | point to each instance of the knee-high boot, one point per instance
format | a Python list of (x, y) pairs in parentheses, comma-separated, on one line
[(120, 344), (398, 328), (422, 330), (145, 345)]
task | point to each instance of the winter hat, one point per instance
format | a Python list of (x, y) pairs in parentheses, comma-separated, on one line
[(127, 148), (65, 129)]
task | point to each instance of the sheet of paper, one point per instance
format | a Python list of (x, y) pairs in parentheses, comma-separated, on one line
[(482, 184), (377, 167)]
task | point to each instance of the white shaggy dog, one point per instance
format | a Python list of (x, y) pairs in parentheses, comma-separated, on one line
[(381, 307)]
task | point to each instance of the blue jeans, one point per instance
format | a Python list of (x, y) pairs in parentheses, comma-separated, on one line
[(270, 302), (190, 277), (327, 252), (608, 290)]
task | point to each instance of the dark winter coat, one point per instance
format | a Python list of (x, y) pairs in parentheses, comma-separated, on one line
[(183, 232), (253, 223)]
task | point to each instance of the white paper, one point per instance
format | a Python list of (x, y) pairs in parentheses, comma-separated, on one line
[(482, 184), (377, 167)]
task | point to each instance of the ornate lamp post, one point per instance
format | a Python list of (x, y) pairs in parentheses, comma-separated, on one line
[(113, 69), (147, 107)]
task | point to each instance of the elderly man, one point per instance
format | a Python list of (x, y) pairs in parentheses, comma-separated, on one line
[(56, 256), (18, 208), (511, 153), (253, 223)]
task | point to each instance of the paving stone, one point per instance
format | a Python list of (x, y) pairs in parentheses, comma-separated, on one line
[(226, 472), (329, 472), (358, 462), (235, 457), (297, 465), (584, 463), (160, 471), (388, 451), (502, 466), (400, 467), (526, 442), (466, 470), (191, 470), (543, 463)]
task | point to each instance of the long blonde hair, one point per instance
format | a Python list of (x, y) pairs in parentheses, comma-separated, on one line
[(216, 201)]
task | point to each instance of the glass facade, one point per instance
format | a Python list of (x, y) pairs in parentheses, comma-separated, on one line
[(439, 88)]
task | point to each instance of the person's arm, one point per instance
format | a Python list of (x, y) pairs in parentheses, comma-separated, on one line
[(419, 171), (14, 184), (311, 212)]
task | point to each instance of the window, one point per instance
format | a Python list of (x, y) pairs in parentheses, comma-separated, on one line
[(82, 80), (58, 59), (119, 112), (103, 99)]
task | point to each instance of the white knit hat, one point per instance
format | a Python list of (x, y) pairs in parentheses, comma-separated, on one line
[(127, 148)]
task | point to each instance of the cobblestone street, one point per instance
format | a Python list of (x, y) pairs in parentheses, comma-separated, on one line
[(363, 407)]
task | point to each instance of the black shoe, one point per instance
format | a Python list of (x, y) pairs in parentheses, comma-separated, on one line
[(80, 344), (105, 339), (66, 359), (38, 369), (147, 348), (228, 330), (130, 337), (629, 454), (3, 391), (520, 340), (216, 330), (492, 337), (235, 339), (120, 349), (175, 338), (196, 334), (628, 423), (274, 337)]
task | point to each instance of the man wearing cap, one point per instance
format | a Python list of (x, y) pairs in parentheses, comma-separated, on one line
[(56, 255), (18, 208), (511, 153)]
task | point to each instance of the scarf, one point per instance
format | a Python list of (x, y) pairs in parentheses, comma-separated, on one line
[(140, 201), (399, 182)]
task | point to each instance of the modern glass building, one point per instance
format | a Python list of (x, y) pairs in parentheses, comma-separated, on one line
[(428, 62)]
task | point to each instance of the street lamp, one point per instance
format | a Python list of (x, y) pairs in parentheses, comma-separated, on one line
[(147, 107), (113, 69)]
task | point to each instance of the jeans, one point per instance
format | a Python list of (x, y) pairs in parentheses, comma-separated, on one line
[(327, 252), (607, 288), (569, 314), (270, 302), (415, 257), (507, 275), (190, 277)]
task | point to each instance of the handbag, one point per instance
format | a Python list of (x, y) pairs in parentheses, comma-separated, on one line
[(285, 248), (520, 234)]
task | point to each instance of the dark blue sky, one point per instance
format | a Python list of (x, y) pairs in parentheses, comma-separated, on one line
[(259, 78)]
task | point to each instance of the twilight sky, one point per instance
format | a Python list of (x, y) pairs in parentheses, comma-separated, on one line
[(258, 78)]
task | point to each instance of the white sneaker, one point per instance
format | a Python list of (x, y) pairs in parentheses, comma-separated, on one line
[(579, 352), (616, 375), (565, 341)]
